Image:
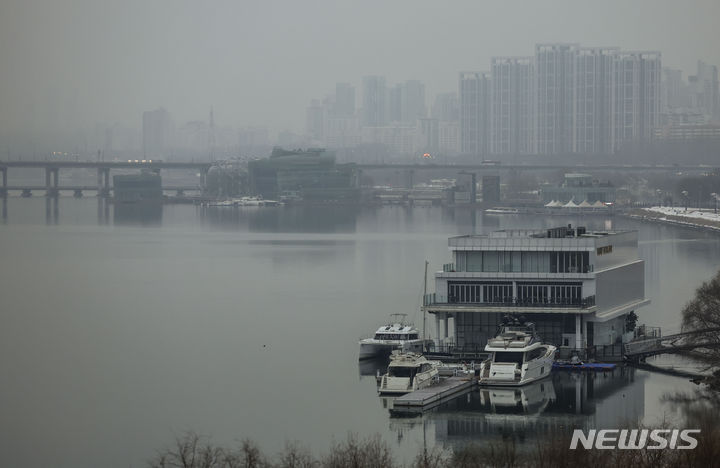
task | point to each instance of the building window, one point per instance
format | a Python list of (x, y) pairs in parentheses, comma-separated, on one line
[(490, 261)]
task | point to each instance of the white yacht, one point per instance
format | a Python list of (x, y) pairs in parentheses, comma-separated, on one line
[(517, 356), (408, 372), (395, 335), (255, 201)]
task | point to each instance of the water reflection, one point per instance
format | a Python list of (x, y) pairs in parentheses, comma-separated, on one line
[(331, 218), (558, 404), (144, 213), (52, 212)]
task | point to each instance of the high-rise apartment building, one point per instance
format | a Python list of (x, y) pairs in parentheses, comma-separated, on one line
[(593, 100), (315, 116), (412, 101), (157, 133), (475, 106), (344, 100), (554, 75), (446, 107), (636, 106), (513, 105), (394, 106), (374, 102), (705, 90)]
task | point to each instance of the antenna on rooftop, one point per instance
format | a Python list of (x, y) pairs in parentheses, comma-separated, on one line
[(211, 135)]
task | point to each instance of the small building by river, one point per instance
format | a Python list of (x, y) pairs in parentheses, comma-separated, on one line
[(580, 288)]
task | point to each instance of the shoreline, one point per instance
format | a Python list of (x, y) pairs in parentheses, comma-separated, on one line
[(644, 214)]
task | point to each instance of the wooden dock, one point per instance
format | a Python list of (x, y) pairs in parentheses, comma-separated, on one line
[(426, 398)]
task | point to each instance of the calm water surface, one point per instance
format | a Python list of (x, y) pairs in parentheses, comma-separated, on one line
[(121, 330)]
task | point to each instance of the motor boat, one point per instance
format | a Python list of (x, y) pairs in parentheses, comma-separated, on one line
[(408, 372), (256, 201), (395, 335), (517, 356)]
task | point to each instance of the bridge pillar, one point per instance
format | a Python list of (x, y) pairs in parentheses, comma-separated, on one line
[(103, 182), (203, 181), (3, 188), (409, 178), (51, 182)]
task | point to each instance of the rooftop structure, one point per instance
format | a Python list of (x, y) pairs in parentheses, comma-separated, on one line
[(312, 174), (579, 287)]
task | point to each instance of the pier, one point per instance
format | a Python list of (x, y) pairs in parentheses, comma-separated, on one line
[(429, 397), (638, 350)]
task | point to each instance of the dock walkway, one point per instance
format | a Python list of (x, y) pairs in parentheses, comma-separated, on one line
[(426, 398)]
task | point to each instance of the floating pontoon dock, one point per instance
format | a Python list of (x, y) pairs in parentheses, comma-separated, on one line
[(426, 398)]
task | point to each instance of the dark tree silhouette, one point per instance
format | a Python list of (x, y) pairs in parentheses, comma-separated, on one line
[(703, 314)]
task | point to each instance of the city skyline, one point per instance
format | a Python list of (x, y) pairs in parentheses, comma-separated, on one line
[(69, 66)]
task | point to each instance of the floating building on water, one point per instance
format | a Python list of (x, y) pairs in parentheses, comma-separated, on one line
[(311, 174), (579, 188), (133, 188), (580, 288)]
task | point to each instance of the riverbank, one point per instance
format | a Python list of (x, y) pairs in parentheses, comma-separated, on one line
[(692, 218)]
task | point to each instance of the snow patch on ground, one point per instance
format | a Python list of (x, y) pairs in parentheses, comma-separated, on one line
[(708, 215)]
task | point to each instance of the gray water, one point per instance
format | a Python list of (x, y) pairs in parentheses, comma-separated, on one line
[(121, 331)]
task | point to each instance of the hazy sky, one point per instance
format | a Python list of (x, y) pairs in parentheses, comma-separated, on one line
[(65, 64)]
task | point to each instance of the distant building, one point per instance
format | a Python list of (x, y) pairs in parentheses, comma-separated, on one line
[(394, 103), (446, 107), (593, 100), (397, 138), (157, 133), (578, 287), (344, 100), (133, 188), (637, 96), (310, 174), (475, 95), (315, 116), (554, 75), (513, 105), (449, 137), (674, 92), (579, 188), (705, 93), (374, 102), (253, 137), (342, 132), (429, 136), (687, 132), (412, 101)]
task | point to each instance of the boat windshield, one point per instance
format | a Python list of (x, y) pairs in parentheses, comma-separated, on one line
[(393, 336), (508, 357), (402, 372)]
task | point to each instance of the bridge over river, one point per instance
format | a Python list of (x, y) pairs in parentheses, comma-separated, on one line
[(52, 168)]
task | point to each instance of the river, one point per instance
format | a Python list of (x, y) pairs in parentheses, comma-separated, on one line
[(121, 331)]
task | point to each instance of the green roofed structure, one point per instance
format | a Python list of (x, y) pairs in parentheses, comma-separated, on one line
[(310, 174)]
